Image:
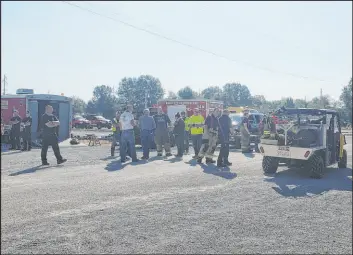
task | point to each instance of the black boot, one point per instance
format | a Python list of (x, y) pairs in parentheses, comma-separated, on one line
[(221, 164), (210, 161), (112, 150), (228, 163), (63, 160)]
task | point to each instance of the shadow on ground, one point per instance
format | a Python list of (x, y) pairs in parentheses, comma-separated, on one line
[(174, 160), (223, 172), (297, 183), (33, 169), (117, 165), (10, 152)]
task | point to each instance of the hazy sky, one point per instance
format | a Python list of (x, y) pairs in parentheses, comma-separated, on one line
[(52, 46)]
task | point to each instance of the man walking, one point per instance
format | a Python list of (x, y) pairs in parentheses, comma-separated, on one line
[(186, 133), (196, 123), (147, 127), (212, 127), (127, 123), (15, 121), (162, 133), (27, 140), (116, 133), (225, 128), (49, 124)]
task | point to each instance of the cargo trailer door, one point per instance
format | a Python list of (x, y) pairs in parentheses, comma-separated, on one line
[(64, 118), (33, 109)]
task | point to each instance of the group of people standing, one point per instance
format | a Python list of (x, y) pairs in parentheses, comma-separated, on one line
[(19, 128), (205, 134)]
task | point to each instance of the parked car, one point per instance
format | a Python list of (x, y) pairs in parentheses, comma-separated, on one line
[(80, 122), (99, 121)]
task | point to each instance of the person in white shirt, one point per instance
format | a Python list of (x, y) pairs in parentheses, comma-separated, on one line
[(127, 123)]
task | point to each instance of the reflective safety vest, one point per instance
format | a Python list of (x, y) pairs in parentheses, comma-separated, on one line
[(115, 121), (266, 132), (187, 128)]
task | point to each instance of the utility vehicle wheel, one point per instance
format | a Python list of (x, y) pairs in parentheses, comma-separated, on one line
[(270, 164), (237, 143), (343, 161), (316, 166)]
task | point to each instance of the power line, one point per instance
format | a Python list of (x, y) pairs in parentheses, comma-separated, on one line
[(192, 46)]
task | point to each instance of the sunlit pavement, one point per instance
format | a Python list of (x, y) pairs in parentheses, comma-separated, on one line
[(93, 204)]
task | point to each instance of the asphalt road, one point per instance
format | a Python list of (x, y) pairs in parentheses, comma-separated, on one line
[(93, 204)]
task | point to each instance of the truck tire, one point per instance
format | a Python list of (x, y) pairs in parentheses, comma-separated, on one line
[(342, 163), (270, 164), (237, 143), (316, 166)]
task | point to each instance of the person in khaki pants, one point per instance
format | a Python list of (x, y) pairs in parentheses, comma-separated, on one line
[(162, 133), (212, 128)]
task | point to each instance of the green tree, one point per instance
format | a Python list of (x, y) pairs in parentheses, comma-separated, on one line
[(346, 98), (138, 91), (301, 103), (214, 93), (78, 105), (172, 95), (320, 103), (235, 94), (289, 103), (104, 101), (187, 93)]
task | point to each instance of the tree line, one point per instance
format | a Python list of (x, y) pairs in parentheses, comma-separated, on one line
[(147, 90)]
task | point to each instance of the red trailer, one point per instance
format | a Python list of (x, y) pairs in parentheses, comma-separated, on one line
[(172, 106), (24, 100)]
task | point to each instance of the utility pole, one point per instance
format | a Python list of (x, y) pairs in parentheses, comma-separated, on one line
[(321, 99), (5, 83)]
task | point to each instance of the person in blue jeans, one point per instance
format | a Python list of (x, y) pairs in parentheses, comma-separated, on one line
[(147, 127), (127, 123)]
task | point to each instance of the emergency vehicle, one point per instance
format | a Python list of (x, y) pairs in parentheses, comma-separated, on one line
[(172, 106), (25, 99)]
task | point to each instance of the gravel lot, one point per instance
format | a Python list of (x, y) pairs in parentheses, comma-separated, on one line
[(93, 204)]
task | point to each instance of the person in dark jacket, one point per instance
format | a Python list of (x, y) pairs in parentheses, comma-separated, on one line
[(225, 128), (179, 132), (15, 121), (27, 141), (49, 126)]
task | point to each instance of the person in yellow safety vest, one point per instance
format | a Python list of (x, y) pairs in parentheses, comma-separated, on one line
[(116, 128), (187, 133), (196, 123), (116, 132)]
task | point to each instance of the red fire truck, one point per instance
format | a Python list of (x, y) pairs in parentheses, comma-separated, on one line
[(25, 99), (172, 106)]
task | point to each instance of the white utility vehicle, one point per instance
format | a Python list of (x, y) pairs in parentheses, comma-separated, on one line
[(309, 138)]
